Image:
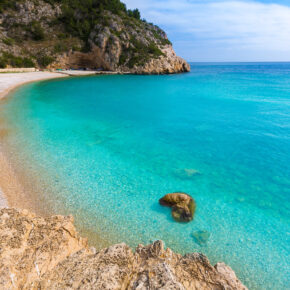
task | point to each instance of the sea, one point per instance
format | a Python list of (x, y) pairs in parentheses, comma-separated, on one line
[(106, 148)]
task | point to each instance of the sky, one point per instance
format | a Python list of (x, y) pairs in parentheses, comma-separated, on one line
[(222, 30)]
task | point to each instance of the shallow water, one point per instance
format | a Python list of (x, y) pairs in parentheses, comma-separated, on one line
[(110, 146)]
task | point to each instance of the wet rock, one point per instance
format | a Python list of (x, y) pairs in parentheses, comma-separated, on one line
[(201, 237), (182, 205)]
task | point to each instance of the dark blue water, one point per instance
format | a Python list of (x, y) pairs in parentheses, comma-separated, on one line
[(111, 146)]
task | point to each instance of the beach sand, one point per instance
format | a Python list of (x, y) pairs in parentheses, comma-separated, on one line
[(9, 184), (9, 81)]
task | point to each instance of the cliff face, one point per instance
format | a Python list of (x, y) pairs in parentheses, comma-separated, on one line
[(47, 253), (84, 34)]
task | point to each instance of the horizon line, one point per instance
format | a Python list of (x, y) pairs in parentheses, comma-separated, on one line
[(191, 61)]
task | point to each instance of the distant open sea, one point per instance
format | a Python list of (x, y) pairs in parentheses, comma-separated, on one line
[(106, 148)]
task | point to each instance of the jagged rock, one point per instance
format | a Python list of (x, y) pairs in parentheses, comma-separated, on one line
[(47, 253), (30, 246), (201, 237), (182, 205)]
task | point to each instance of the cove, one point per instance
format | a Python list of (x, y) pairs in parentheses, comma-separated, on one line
[(106, 148)]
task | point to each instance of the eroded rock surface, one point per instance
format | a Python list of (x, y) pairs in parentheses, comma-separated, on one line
[(47, 253)]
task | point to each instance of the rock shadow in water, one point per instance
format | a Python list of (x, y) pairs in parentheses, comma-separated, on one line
[(201, 237), (186, 173)]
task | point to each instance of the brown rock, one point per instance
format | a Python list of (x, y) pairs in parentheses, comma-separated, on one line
[(182, 205), (31, 246), (168, 64), (47, 253)]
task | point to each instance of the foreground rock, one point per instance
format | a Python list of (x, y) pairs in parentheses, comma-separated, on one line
[(182, 205), (38, 253)]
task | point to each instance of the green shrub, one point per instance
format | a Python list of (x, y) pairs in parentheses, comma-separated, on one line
[(162, 39), (154, 50), (123, 58), (36, 31), (8, 41), (134, 13), (15, 61), (28, 62), (6, 4), (76, 48), (62, 35), (134, 60), (141, 53), (3, 62), (45, 60), (60, 47)]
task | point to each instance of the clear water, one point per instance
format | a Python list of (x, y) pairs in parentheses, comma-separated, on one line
[(111, 146)]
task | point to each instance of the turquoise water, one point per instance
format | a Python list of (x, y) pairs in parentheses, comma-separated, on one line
[(111, 146)]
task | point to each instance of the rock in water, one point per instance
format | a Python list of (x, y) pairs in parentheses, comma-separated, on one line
[(186, 173), (182, 205), (201, 237)]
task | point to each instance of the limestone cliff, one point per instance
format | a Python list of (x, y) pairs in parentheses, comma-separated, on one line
[(83, 34), (47, 253)]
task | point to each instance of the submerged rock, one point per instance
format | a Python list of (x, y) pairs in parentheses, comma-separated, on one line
[(47, 253), (182, 205), (186, 173), (201, 237)]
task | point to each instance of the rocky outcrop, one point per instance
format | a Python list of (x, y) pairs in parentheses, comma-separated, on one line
[(168, 63), (54, 34), (182, 205), (115, 48), (47, 253), (30, 246)]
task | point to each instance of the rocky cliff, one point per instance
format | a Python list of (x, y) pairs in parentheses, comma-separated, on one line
[(95, 34), (47, 253)]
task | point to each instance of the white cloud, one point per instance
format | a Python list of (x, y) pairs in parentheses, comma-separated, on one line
[(222, 29)]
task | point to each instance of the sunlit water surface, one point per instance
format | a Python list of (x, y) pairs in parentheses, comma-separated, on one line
[(110, 146)]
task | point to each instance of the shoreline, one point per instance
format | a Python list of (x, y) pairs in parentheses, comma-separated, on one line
[(12, 182), (11, 81), (8, 83)]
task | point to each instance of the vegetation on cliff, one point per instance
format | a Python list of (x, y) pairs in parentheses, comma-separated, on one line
[(88, 33)]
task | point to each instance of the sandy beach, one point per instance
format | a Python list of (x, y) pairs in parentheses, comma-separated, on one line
[(8, 82)]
